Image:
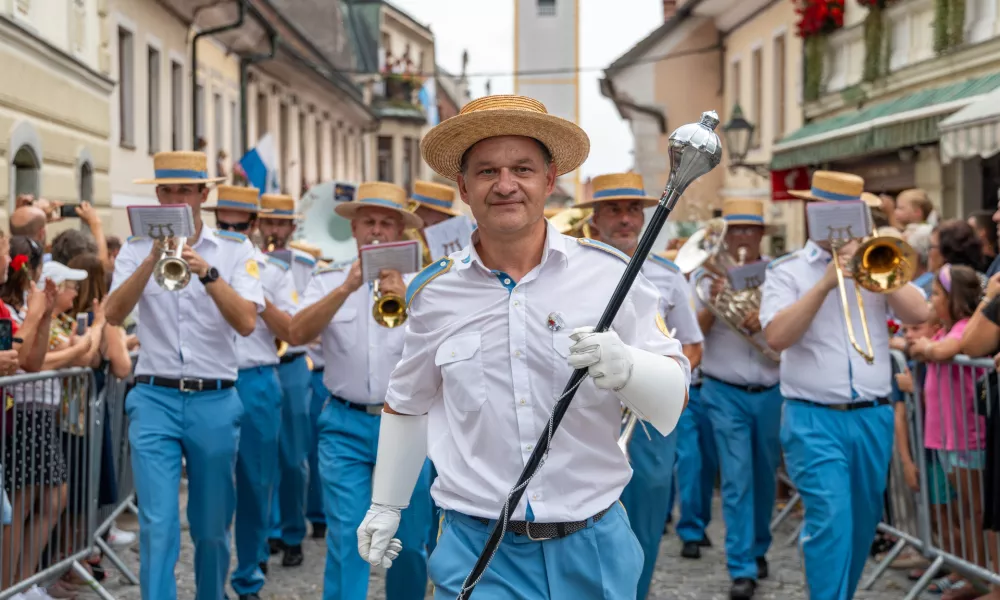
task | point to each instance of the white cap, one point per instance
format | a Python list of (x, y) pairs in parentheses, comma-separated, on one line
[(60, 273)]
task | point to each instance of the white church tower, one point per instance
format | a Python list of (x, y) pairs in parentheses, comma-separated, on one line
[(547, 40)]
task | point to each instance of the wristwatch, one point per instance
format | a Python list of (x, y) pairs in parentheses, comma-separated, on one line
[(210, 276)]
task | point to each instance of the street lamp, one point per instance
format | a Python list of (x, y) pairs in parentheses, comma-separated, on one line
[(739, 133)]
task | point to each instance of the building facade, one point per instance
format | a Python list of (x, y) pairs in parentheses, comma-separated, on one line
[(54, 109), (547, 61)]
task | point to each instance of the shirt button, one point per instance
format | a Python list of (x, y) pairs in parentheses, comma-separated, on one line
[(506, 281), (529, 447), (516, 303), (453, 354), (523, 401), (517, 353), (534, 496)]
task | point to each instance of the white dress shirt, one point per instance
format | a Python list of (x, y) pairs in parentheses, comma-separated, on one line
[(823, 366), (676, 307), (358, 352), (483, 359), (183, 334), (728, 356), (258, 348), (302, 267)]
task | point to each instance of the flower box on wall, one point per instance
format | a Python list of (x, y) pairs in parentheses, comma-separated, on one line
[(816, 20)]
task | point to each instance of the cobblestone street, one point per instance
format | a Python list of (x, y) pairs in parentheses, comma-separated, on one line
[(675, 578)]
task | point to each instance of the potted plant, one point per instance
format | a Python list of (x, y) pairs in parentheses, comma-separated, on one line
[(817, 20)]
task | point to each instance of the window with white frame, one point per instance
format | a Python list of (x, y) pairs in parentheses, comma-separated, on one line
[(780, 91), (126, 88), (153, 99), (176, 105), (980, 20), (219, 122), (757, 94), (235, 128), (546, 8), (199, 118)]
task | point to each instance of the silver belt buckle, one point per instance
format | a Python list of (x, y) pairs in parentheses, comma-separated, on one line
[(527, 530), (373, 409), (191, 385)]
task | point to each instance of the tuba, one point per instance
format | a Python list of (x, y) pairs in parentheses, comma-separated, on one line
[(882, 264), (707, 248), (389, 310), (172, 272)]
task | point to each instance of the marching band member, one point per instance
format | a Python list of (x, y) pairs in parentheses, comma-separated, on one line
[(289, 502), (257, 384), (360, 355), (618, 202), (184, 403), (492, 337), (741, 400), (837, 426), (433, 203)]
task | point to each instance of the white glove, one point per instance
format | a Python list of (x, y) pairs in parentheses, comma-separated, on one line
[(609, 361), (375, 541)]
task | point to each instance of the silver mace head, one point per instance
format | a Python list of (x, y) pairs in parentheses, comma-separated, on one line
[(695, 149)]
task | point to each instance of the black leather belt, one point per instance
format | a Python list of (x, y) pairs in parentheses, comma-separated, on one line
[(848, 406), (539, 532), (188, 384), (371, 409), (318, 369), (750, 389), (291, 357)]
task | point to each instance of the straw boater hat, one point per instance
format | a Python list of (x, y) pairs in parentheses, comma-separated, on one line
[(243, 199), (380, 194), (833, 186), (315, 251), (493, 116), (279, 206), (435, 196), (744, 211), (618, 186), (176, 168)]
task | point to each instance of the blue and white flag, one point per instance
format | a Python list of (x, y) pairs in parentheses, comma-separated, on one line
[(428, 98), (261, 166)]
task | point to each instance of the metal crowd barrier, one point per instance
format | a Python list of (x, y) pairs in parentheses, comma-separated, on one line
[(52, 435), (943, 518)]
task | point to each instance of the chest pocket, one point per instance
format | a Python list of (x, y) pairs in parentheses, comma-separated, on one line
[(460, 359), (561, 371), (345, 327)]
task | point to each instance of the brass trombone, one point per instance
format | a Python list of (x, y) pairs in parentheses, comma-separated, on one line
[(882, 264)]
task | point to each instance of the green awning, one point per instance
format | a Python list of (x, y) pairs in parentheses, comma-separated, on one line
[(907, 121)]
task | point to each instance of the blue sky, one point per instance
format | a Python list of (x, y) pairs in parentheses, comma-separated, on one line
[(488, 36)]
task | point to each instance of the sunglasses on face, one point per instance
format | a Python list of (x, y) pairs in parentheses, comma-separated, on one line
[(240, 227)]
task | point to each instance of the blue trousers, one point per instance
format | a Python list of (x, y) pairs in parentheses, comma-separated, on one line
[(747, 428), (647, 495), (296, 439), (602, 562), (435, 520), (204, 427), (838, 462), (697, 466), (256, 472), (314, 494), (348, 444)]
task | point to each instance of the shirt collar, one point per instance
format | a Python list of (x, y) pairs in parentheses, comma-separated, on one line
[(207, 234), (555, 246), (813, 252)]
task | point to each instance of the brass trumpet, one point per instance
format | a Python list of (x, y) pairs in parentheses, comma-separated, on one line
[(270, 243), (281, 346), (172, 272), (883, 264), (389, 310)]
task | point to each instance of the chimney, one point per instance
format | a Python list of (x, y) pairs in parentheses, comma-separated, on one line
[(669, 9)]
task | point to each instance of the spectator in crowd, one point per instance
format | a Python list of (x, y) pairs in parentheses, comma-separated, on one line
[(919, 237), (73, 242), (982, 223), (913, 207), (955, 242), (29, 221)]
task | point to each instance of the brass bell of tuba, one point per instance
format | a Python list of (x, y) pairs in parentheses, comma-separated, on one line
[(707, 247), (172, 272)]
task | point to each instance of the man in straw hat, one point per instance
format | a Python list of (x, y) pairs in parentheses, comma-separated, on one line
[(288, 502), (237, 210), (617, 202), (433, 203), (359, 355), (184, 403), (738, 413), (837, 424), (492, 337)]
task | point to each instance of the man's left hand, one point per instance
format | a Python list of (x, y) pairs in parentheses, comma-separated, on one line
[(752, 323), (195, 262), (391, 282), (604, 355)]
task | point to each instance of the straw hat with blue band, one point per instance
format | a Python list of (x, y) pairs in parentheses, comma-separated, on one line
[(834, 186), (243, 199), (279, 206), (617, 187), (379, 194), (435, 196), (180, 168), (495, 116), (744, 211)]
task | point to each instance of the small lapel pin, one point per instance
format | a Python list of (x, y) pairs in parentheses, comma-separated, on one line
[(555, 322)]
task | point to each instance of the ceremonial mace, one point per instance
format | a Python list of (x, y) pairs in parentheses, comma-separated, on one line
[(694, 150)]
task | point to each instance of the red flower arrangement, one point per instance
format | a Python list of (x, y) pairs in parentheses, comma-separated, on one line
[(818, 17), (19, 262), (894, 326)]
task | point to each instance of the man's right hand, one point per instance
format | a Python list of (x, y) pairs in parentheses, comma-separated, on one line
[(717, 286), (9, 362), (376, 543), (354, 281)]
